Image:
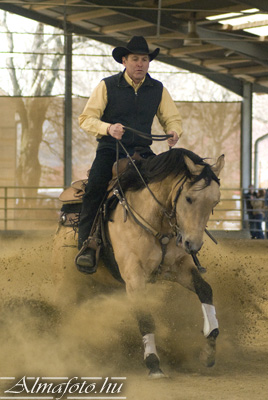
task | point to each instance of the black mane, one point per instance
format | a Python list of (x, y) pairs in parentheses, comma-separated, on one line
[(156, 168)]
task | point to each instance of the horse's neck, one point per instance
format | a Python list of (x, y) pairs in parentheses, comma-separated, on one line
[(144, 203)]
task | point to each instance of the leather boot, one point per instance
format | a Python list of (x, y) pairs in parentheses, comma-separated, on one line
[(86, 262)]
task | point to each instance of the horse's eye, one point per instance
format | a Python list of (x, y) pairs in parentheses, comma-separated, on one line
[(189, 200)]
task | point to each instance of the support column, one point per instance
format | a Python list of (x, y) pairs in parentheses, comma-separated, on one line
[(246, 140), (256, 159), (68, 110)]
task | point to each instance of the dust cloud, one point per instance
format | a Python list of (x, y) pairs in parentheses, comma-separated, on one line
[(57, 322)]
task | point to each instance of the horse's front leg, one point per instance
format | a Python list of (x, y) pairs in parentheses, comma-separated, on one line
[(188, 276), (211, 325), (136, 291)]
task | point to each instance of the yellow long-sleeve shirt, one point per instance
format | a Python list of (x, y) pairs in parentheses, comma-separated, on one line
[(90, 119)]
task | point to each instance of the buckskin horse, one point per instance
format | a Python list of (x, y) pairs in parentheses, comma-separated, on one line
[(156, 231)]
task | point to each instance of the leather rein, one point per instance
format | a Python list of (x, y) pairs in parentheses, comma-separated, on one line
[(164, 238)]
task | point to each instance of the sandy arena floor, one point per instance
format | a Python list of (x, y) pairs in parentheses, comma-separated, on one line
[(79, 328)]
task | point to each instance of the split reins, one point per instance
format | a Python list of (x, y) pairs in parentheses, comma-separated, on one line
[(156, 138), (164, 239), (140, 176)]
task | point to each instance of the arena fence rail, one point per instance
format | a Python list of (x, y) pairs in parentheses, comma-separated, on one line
[(38, 208)]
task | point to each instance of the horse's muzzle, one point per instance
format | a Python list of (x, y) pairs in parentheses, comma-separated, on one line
[(192, 247)]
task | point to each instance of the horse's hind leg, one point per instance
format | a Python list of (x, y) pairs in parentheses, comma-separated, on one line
[(147, 328)]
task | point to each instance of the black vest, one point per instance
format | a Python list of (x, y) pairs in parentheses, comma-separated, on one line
[(134, 110)]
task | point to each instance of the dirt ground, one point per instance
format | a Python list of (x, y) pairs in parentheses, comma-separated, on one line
[(57, 322)]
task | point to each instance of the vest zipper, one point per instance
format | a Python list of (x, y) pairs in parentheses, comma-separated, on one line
[(136, 105)]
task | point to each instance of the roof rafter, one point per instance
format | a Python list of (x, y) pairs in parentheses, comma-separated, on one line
[(193, 49), (260, 4), (248, 25), (228, 41), (89, 15), (118, 20), (48, 4), (256, 69), (222, 61), (122, 27)]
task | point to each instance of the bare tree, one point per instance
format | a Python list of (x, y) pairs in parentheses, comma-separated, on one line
[(32, 111)]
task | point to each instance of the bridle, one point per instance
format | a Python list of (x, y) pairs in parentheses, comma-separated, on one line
[(164, 238), (168, 215)]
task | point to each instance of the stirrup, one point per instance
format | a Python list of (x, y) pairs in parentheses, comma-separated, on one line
[(91, 242), (86, 263)]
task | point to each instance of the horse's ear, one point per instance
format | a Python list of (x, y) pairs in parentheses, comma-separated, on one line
[(195, 169), (218, 166)]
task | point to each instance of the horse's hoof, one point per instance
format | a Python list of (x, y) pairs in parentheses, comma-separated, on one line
[(152, 363), (208, 354), (157, 374)]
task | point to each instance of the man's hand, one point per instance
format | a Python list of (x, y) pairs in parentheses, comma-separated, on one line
[(172, 140), (116, 131)]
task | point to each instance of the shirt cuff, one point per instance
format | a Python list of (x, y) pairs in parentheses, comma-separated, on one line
[(103, 129), (176, 127)]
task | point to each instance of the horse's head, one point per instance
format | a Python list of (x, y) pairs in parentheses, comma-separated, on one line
[(195, 202)]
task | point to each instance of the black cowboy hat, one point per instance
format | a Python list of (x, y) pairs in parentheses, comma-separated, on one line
[(137, 45)]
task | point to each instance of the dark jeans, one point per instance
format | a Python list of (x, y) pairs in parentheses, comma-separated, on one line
[(251, 222), (258, 232), (98, 180)]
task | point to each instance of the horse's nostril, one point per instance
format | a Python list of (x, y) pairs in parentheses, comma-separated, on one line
[(187, 244)]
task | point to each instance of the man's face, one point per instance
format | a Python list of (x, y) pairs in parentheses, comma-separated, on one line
[(136, 65)]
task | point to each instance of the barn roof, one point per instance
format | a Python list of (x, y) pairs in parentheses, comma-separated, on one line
[(200, 36)]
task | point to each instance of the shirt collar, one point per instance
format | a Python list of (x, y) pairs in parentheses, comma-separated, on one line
[(136, 86)]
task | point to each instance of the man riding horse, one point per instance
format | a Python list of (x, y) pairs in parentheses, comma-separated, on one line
[(128, 99)]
